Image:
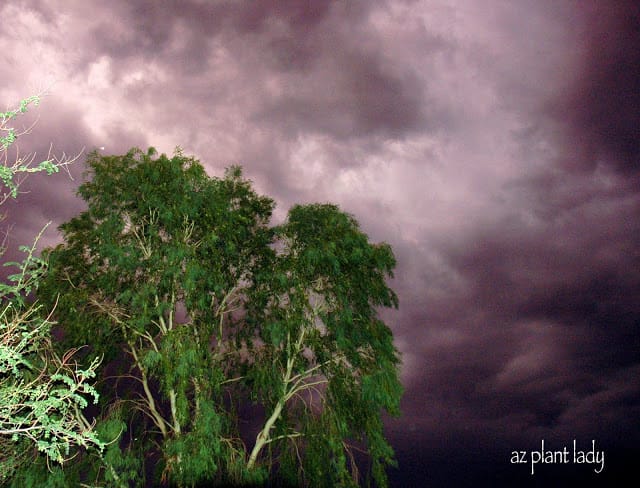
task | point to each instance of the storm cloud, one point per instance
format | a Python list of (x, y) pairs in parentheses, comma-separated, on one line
[(493, 144)]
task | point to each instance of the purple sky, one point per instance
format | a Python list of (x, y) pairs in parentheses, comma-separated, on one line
[(494, 144)]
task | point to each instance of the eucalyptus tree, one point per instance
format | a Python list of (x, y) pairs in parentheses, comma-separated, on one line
[(323, 364), (201, 306), (158, 263)]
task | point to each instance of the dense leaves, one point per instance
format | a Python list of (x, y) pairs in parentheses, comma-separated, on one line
[(200, 307), (331, 362)]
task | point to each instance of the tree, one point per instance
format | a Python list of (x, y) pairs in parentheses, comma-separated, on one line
[(324, 364), (204, 307), (157, 264), (42, 394)]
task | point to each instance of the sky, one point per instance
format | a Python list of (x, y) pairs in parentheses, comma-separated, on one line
[(494, 145)]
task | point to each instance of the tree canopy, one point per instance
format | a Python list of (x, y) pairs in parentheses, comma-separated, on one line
[(235, 351)]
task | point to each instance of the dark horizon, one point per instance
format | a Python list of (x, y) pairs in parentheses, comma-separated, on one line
[(495, 147)]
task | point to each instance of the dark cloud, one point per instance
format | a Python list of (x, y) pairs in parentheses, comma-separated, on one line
[(537, 331), (299, 15), (603, 106), (182, 32), (358, 99), (334, 81), (494, 145)]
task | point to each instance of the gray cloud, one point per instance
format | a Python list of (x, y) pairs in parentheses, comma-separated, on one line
[(492, 144), (602, 111)]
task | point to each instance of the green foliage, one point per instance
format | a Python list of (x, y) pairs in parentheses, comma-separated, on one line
[(190, 455), (42, 394), (184, 283), (5, 117), (38, 475), (8, 172), (121, 467), (332, 361)]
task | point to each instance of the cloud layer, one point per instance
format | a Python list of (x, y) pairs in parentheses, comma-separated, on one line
[(493, 144)]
